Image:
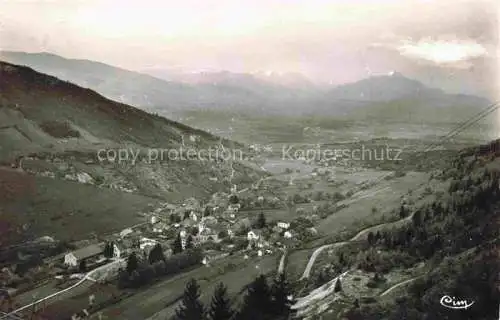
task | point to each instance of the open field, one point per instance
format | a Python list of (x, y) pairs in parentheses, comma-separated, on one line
[(63, 209), (235, 272), (361, 209)]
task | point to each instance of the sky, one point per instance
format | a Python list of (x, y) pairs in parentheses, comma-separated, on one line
[(449, 43)]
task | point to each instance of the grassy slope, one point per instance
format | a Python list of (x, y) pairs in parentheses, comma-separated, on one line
[(66, 209), (30, 100)]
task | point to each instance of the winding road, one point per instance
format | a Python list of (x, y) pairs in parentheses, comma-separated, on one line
[(397, 285), (281, 266), (357, 237), (318, 293), (315, 255)]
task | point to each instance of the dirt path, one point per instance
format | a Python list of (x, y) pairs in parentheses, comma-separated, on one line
[(281, 266), (397, 285), (315, 254), (87, 277), (317, 294)]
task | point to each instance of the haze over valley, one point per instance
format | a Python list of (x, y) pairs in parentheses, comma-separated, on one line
[(263, 160)]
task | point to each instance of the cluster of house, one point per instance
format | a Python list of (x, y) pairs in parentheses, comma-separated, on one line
[(222, 222)]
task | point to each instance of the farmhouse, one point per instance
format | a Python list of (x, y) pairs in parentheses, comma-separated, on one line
[(283, 225), (253, 235), (72, 259), (117, 252), (146, 242)]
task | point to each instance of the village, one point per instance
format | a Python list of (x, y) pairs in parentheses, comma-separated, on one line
[(228, 223), (270, 217)]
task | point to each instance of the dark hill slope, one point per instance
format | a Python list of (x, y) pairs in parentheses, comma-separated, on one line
[(52, 130)]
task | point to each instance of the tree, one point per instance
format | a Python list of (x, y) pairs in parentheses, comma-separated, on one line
[(109, 250), (402, 212), (132, 263), (208, 211), (321, 278), (338, 286), (175, 218), (371, 238), (233, 199), (83, 266), (222, 234), (257, 303), (356, 304), (280, 292), (156, 254), (261, 221), (189, 242), (195, 230), (220, 308), (177, 245), (191, 308)]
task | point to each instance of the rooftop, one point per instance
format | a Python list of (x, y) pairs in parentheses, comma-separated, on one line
[(88, 251)]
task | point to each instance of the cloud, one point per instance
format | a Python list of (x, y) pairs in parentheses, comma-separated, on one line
[(441, 51), (449, 52)]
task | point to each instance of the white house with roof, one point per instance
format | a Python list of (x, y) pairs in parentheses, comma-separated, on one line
[(74, 258), (146, 242), (117, 252), (233, 208), (193, 216), (253, 235), (283, 225)]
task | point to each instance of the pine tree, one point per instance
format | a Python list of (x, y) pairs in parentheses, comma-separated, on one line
[(261, 221), (191, 308), (220, 308), (208, 211), (177, 245), (338, 286), (371, 238), (402, 212), (108, 250), (132, 263), (234, 199), (342, 259), (257, 303), (280, 292), (189, 242), (156, 254), (83, 266)]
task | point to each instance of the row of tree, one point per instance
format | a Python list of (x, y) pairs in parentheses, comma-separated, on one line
[(261, 302), (142, 272)]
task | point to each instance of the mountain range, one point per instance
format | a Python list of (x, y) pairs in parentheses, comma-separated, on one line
[(172, 93)]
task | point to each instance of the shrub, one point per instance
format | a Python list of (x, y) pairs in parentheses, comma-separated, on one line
[(59, 129)]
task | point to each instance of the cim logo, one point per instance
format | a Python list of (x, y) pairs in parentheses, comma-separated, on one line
[(454, 303)]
